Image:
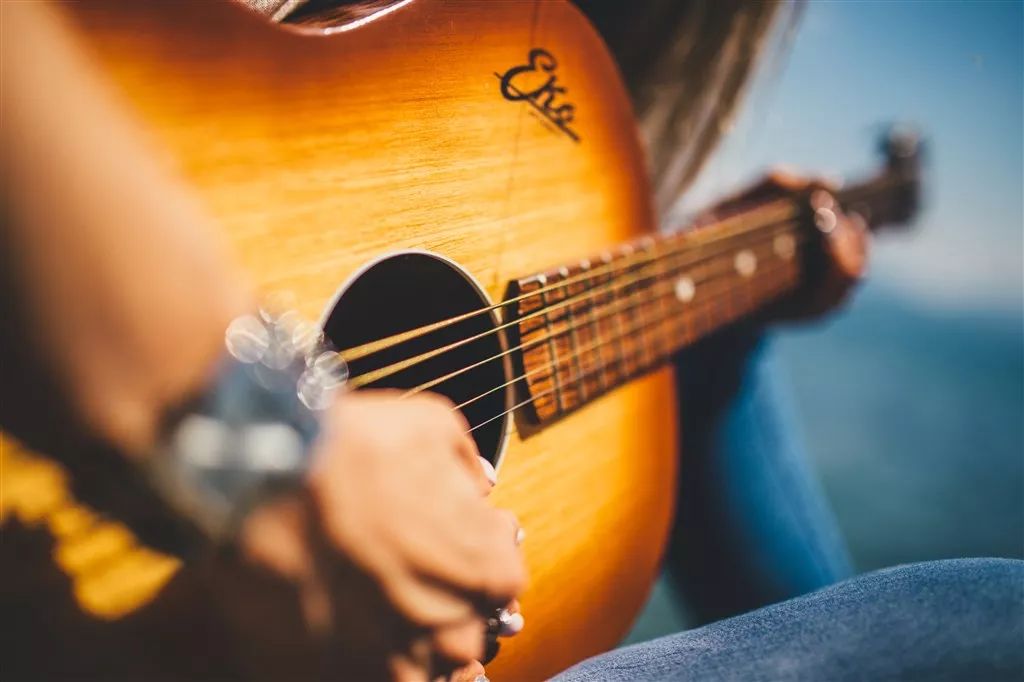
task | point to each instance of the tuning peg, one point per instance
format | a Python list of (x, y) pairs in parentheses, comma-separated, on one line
[(901, 146)]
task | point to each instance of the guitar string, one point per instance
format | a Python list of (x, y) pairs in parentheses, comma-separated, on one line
[(616, 306), (582, 374), (627, 258), (613, 284), (699, 307)]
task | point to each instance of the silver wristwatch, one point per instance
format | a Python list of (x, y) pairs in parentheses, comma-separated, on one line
[(249, 436)]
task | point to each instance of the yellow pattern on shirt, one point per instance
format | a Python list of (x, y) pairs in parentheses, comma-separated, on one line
[(112, 573)]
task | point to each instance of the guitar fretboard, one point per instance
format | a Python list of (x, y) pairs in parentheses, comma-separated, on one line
[(585, 328)]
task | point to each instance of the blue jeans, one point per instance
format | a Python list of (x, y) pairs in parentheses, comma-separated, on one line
[(754, 533), (753, 526), (960, 619)]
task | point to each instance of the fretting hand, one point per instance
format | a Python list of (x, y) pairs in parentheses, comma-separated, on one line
[(845, 247)]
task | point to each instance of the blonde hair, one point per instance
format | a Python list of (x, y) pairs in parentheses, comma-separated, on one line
[(687, 65)]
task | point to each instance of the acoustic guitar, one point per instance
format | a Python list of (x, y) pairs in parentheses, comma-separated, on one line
[(457, 190)]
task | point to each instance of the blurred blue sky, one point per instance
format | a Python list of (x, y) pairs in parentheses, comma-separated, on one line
[(955, 69)]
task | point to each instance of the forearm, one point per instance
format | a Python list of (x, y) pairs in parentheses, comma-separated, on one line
[(127, 292)]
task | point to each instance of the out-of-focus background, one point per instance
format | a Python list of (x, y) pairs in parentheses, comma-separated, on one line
[(912, 398)]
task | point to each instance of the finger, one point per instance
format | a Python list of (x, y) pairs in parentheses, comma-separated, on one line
[(460, 643), (419, 598), (474, 672), (785, 178), (428, 604), (463, 544), (778, 181), (408, 668), (502, 573), (479, 469), (473, 553), (848, 246), (516, 531), (832, 292)]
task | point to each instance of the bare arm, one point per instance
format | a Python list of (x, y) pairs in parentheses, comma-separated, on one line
[(128, 290)]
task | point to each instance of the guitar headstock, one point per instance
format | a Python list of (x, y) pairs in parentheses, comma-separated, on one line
[(893, 196)]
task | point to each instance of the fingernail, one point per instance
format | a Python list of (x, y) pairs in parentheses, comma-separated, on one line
[(511, 623), (489, 471), (481, 678), (520, 536)]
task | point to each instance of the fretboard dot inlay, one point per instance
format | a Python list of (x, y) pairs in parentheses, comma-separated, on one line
[(685, 289), (784, 246), (745, 263)]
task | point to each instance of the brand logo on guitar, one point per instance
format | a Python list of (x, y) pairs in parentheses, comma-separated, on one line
[(536, 84)]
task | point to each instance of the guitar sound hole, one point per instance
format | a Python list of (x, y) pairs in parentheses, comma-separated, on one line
[(408, 291)]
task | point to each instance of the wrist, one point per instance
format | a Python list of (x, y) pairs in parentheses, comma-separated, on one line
[(248, 436)]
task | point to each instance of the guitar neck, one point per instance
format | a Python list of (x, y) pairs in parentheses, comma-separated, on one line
[(582, 329), (587, 327)]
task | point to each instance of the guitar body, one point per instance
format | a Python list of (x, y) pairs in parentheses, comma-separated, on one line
[(319, 154)]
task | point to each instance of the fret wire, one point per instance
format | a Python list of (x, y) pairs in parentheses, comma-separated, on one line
[(651, 344), (573, 336), (595, 332), (696, 321), (622, 320), (616, 322), (636, 312), (530, 302), (653, 351), (552, 346), (585, 330), (680, 325), (659, 265)]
